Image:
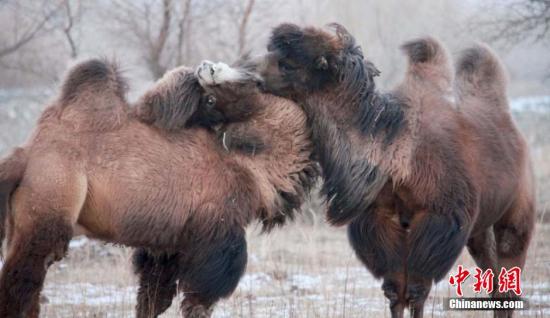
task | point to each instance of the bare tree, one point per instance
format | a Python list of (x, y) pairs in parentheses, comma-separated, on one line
[(157, 44), (139, 20), (35, 26), (243, 25), (184, 33), (70, 15), (521, 20)]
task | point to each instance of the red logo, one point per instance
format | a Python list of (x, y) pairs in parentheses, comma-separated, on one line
[(458, 279), (484, 280), (508, 280)]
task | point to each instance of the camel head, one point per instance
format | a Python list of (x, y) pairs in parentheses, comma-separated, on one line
[(229, 91), (303, 60)]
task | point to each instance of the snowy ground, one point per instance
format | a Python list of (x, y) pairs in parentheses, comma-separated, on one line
[(298, 271)]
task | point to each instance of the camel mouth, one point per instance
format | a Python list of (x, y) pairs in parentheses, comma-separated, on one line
[(213, 74)]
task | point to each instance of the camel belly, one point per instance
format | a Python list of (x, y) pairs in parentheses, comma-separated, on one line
[(150, 213)]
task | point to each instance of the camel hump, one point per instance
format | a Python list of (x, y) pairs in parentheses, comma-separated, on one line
[(95, 76), (479, 72), (429, 59), (424, 50)]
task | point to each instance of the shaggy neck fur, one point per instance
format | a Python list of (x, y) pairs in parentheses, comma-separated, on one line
[(354, 133), (275, 147)]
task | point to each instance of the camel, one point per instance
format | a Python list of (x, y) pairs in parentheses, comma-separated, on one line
[(415, 173), (158, 176)]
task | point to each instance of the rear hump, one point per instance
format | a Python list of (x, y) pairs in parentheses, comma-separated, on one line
[(480, 73)]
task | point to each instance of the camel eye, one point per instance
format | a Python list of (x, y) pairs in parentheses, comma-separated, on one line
[(210, 101), (286, 67)]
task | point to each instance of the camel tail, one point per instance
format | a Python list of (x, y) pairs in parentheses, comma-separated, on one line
[(480, 74), (96, 77), (12, 169)]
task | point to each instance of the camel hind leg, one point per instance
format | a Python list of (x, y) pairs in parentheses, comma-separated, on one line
[(157, 282), (30, 254), (44, 209), (512, 234), (482, 248)]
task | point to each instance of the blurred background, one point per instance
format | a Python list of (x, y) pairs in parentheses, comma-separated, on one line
[(39, 39)]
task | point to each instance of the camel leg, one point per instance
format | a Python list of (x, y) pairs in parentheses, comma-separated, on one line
[(196, 307), (31, 251), (212, 273), (378, 242), (44, 209), (418, 289), (512, 234), (434, 243), (34, 309), (482, 248), (394, 289), (157, 282)]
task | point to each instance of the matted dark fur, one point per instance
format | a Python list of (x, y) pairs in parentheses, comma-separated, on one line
[(151, 177), (419, 172)]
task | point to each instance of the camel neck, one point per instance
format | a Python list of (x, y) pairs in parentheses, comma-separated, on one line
[(352, 181)]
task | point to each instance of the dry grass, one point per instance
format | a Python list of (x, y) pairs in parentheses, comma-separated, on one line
[(298, 271)]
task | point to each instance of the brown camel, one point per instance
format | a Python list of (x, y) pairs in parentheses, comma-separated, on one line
[(416, 173), (151, 177)]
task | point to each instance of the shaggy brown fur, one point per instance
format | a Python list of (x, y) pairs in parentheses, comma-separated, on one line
[(11, 170), (416, 173), (147, 177)]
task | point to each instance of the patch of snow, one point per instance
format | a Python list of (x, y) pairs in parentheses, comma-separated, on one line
[(305, 281), (78, 242), (538, 104), (254, 281), (90, 294)]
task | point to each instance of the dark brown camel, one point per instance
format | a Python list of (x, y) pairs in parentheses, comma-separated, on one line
[(416, 173)]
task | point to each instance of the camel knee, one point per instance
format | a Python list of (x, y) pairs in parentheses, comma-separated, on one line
[(46, 240), (393, 290), (512, 241), (193, 307), (418, 291)]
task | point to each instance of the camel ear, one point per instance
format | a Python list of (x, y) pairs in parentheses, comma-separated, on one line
[(284, 37), (321, 63)]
